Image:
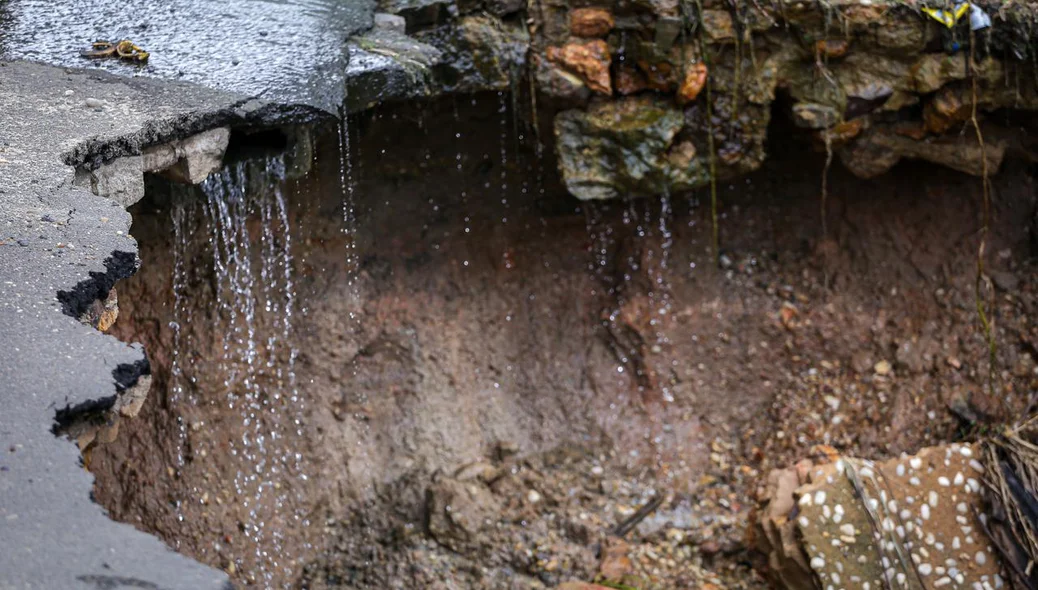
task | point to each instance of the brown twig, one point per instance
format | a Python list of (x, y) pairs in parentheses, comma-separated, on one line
[(632, 521)]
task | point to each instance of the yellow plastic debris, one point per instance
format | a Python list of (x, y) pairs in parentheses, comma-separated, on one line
[(948, 18), (125, 50)]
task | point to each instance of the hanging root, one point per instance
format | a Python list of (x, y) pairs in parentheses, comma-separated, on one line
[(825, 200), (715, 239), (825, 182), (981, 279), (740, 27), (533, 110), (822, 65)]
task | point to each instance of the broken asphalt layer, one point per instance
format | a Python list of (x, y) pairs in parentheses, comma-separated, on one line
[(290, 53), (262, 64)]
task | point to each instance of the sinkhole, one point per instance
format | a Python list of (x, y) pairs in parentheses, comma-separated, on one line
[(395, 353)]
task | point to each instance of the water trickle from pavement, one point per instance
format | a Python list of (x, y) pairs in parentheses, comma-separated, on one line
[(349, 216), (246, 217), (180, 318)]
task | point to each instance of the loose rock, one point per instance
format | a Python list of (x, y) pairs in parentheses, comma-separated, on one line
[(693, 83), (588, 60), (591, 22)]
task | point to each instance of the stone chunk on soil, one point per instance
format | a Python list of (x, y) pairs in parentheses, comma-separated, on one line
[(815, 116), (390, 22), (457, 510)]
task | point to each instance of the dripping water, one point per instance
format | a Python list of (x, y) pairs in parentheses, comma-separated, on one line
[(256, 367), (176, 385), (503, 112), (349, 214), (226, 197), (661, 290)]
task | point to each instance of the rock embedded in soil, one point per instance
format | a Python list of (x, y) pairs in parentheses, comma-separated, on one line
[(832, 48), (591, 22), (620, 148), (815, 116), (947, 108), (588, 60), (564, 86), (878, 149), (190, 160), (692, 85), (876, 72), (629, 80), (478, 52)]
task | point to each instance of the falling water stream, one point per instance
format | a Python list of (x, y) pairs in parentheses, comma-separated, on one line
[(348, 185), (180, 317), (254, 299)]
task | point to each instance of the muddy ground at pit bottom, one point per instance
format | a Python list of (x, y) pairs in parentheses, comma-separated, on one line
[(496, 375)]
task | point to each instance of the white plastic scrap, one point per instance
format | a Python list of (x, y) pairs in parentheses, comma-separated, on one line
[(978, 18)]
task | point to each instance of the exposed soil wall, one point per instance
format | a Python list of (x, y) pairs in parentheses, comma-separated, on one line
[(493, 375)]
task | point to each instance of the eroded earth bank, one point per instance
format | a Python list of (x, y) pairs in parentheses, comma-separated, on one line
[(491, 376), (490, 339)]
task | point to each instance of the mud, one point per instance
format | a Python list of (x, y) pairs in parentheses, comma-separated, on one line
[(507, 374)]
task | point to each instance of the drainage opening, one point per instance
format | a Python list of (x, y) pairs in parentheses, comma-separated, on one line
[(407, 358)]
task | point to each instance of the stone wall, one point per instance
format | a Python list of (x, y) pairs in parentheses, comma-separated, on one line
[(648, 96)]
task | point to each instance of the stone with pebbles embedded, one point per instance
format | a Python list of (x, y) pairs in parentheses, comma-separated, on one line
[(935, 523)]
